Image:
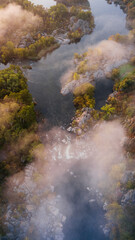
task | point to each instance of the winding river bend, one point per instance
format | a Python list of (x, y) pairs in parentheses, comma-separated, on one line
[(44, 84), (73, 189), (44, 78)]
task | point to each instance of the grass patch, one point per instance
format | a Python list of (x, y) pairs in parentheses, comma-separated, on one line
[(125, 69)]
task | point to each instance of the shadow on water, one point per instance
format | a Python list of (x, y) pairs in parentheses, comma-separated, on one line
[(102, 89)]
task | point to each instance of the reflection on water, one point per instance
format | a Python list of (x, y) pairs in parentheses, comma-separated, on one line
[(45, 3), (44, 78)]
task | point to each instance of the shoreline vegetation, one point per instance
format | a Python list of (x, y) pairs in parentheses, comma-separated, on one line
[(55, 26), (18, 121)]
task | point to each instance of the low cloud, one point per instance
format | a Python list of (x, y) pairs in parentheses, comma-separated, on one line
[(101, 59), (15, 21), (39, 199)]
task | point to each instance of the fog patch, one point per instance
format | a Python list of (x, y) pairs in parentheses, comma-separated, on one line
[(7, 110), (36, 208), (15, 21), (100, 60)]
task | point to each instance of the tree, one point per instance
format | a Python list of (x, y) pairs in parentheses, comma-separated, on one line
[(22, 97), (128, 83), (108, 110), (27, 116)]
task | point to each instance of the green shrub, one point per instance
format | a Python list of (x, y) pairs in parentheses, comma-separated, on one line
[(26, 116), (85, 88), (128, 83), (76, 76), (108, 111), (75, 35), (82, 68)]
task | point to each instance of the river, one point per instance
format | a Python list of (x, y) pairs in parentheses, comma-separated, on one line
[(44, 78), (85, 220), (44, 84)]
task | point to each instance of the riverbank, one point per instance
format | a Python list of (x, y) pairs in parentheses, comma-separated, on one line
[(119, 199), (57, 25), (96, 64)]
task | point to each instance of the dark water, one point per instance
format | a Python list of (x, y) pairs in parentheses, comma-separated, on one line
[(103, 89), (86, 218), (44, 78)]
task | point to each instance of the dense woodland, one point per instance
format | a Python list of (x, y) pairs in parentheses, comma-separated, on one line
[(18, 119)]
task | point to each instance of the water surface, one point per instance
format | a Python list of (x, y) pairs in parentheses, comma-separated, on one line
[(45, 3), (44, 78), (44, 83)]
